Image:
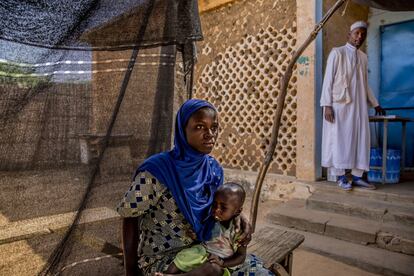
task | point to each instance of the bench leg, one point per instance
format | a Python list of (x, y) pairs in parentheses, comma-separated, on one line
[(285, 268), (279, 270), (288, 263)]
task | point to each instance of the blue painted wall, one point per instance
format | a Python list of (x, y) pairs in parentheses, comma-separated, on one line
[(377, 20), (397, 80)]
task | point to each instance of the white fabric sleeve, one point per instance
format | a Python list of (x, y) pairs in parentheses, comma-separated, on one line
[(330, 70), (371, 98)]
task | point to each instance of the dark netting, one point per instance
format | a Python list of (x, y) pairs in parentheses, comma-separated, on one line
[(74, 24), (88, 90)]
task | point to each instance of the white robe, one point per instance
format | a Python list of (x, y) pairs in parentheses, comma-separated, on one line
[(346, 142)]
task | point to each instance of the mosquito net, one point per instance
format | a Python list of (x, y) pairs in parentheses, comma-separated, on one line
[(88, 89)]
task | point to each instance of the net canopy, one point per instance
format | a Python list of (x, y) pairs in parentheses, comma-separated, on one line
[(88, 90)]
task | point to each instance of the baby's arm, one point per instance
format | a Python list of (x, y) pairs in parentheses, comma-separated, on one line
[(237, 258), (234, 260)]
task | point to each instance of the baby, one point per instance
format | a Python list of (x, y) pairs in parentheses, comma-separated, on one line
[(222, 249)]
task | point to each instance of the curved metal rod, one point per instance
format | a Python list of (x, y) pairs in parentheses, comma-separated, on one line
[(283, 84)]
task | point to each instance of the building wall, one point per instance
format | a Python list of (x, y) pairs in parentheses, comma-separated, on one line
[(307, 144), (376, 19), (244, 53), (336, 29)]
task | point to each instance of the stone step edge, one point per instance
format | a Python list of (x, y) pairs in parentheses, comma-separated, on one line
[(331, 187), (356, 230), (385, 263), (359, 200), (363, 208), (28, 228)]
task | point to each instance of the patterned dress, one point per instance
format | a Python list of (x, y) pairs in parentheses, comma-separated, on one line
[(164, 228)]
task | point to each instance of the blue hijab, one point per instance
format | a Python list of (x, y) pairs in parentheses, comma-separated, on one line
[(191, 176)]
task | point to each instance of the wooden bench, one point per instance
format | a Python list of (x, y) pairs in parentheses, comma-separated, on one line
[(275, 247), (117, 160), (91, 145), (272, 245)]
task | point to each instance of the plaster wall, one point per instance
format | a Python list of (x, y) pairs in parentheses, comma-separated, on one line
[(336, 29), (275, 186), (306, 167)]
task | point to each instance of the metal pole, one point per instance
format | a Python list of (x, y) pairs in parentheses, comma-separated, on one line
[(404, 133), (384, 150)]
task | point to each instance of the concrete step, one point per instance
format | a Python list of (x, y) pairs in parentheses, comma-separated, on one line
[(362, 207), (383, 192), (294, 214), (368, 258)]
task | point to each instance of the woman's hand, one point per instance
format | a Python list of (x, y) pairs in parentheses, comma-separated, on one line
[(244, 229), (189, 232), (214, 259), (130, 241)]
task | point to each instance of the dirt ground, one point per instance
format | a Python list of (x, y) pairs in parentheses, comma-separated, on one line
[(26, 196)]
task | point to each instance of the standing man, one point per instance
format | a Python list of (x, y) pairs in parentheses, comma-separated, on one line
[(345, 100)]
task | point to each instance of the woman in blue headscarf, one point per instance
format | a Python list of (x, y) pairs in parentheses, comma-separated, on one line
[(167, 207)]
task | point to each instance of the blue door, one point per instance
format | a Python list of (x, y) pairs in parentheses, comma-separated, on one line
[(397, 81)]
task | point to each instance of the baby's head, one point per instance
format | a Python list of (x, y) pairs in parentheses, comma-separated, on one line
[(228, 201)]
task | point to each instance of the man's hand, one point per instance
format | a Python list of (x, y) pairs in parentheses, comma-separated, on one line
[(379, 110), (329, 114), (244, 229)]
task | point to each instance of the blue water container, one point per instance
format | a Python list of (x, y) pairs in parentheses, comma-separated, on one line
[(392, 175), (375, 159)]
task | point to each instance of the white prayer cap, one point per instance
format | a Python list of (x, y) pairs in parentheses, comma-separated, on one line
[(358, 24)]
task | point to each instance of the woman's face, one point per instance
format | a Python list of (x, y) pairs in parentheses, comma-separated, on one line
[(202, 129)]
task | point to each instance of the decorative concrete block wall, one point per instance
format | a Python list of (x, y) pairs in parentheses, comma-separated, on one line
[(246, 49)]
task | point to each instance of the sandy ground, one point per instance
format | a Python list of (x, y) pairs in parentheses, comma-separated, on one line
[(306, 263), (28, 195)]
